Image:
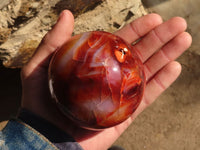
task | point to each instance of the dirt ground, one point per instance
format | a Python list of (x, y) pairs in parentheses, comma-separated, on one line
[(170, 123)]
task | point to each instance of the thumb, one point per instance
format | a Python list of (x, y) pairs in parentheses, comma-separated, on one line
[(56, 37)]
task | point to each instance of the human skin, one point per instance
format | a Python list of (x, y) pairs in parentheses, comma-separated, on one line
[(159, 45)]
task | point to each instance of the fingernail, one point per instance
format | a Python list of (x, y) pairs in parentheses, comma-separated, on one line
[(61, 15)]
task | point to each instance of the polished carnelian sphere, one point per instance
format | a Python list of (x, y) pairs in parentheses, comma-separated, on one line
[(96, 80)]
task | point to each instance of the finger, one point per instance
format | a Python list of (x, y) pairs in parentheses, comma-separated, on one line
[(139, 27), (161, 81), (168, 53), (59, 34), (159, 37)]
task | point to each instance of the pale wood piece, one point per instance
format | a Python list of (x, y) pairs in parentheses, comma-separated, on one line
[(23, 23)]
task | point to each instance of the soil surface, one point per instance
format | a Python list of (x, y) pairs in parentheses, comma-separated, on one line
[(170, 123)]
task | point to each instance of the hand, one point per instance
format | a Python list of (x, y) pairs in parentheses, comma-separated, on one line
[(160, 44)]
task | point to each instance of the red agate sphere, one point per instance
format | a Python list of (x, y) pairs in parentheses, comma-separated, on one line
[(96, 80)]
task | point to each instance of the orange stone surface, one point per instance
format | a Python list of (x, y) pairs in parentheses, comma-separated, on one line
[(96, 80)]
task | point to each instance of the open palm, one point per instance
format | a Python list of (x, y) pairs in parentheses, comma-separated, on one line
[(159, 45)]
